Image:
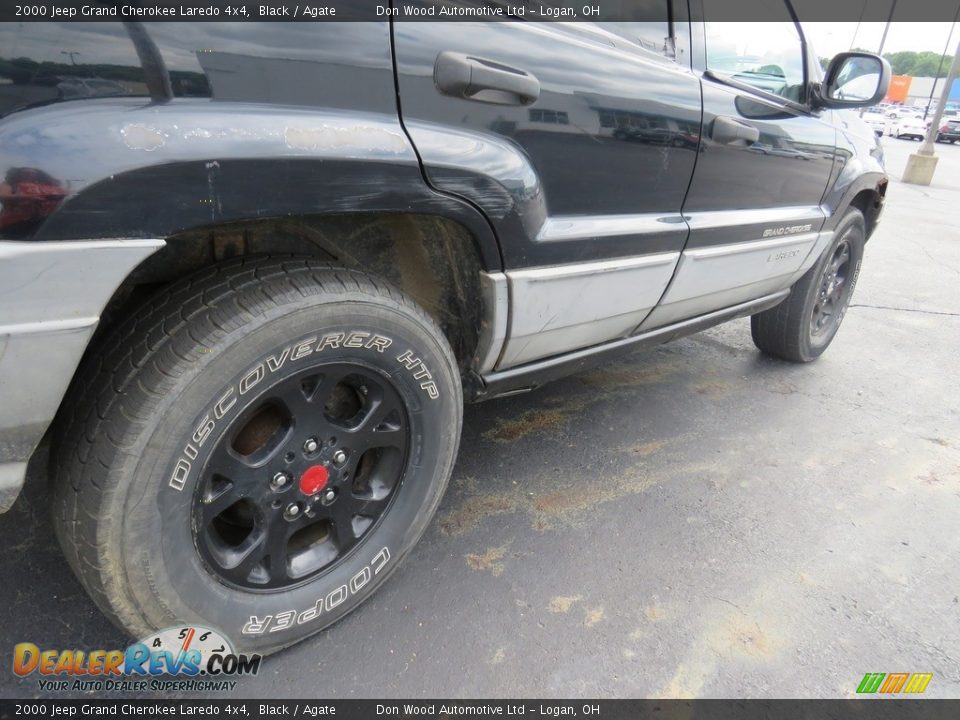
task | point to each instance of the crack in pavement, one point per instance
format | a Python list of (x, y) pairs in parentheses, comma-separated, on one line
[(901, 309)]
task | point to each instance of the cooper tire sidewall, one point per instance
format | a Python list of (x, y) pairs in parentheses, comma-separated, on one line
[(163, 569)]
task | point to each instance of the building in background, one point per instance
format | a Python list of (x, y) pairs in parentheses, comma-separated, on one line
[(916, 91)]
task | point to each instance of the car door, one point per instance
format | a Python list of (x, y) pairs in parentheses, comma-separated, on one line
[(754, 201), (578, 141)]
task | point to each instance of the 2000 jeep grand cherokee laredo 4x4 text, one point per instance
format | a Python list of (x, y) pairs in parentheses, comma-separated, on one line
[(247, 288)]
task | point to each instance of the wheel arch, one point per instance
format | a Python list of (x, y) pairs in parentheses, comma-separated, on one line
[(432, 258)]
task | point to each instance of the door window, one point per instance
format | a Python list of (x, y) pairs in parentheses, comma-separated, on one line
[(764, 55)]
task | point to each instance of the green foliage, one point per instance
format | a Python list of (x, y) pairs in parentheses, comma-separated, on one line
[(919, 64), (908, 62)]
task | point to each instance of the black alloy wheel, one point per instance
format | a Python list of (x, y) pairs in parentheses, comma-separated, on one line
[(801, 327), (301, 477), (833, 294)]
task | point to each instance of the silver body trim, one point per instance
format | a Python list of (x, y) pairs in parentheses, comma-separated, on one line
[(823, 241), (526, 377), (710, 278), (51, 297), (579, 227), (493, 327), (562, 308), (757, 216)]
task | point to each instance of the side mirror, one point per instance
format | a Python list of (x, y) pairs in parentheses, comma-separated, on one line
[(854, 79)]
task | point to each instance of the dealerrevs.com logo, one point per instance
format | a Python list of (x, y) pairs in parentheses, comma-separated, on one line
[(188, 658)]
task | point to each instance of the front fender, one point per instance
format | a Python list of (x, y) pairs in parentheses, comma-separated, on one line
[(858, 167)]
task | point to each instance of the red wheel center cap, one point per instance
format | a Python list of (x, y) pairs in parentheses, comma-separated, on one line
[(314, 479)]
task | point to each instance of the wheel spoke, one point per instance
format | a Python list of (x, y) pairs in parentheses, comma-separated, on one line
[(226, 464), (251, 554), (341, 516), (370, 506), (278, 532), (844, 256), (306, 397), (219, 499), (377, 428)]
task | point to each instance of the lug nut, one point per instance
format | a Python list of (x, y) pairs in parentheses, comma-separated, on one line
[(279, 481), (339, 457), (311, 445), (329, 496), (292, 511)]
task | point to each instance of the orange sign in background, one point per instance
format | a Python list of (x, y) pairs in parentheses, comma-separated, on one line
[(899, 88)]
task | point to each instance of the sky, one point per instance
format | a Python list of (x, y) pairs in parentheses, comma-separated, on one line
[(830, 38)]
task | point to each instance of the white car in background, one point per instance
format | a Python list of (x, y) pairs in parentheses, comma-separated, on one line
[(898, 112), (876, 120), (909, 127)]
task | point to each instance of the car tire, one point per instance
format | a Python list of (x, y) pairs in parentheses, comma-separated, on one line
[(801, 327), (276, 415)]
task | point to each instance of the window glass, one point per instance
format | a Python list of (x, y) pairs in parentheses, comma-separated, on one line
[(653, 36), (765, 55)]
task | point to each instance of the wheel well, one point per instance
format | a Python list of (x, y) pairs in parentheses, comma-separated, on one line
[(870, 202), (431, 258)]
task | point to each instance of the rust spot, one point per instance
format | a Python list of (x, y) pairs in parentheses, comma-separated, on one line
[(712, 388), (571, 503), (562, 502), (531, 421), (654, 613), (593, 616), (489, 560), (473, 511), (563, 603), (620, 376), (565, 503), (748, 638), (648, 448)]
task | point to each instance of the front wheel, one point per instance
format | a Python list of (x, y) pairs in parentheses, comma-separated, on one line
[(255, 451), (801, 327)]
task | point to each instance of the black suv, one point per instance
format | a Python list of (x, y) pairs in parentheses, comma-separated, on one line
[(252, 272)]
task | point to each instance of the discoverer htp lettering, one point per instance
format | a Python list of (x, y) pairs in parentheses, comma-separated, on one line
[(254, 376), (333, 599)]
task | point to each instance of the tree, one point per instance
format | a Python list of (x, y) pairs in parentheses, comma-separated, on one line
[(918, 64)]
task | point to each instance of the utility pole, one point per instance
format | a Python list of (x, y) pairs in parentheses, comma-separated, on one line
[(946, 49), (922, 163), (883, 39), (886, 28), (853, 40)]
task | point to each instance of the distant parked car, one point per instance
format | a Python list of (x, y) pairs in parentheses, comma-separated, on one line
[(899, 112), (949, 131), (911, 128), (876, 120), (75, 87)]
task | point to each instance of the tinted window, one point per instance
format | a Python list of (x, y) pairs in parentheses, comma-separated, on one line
[(47, 62), (765, 55)]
